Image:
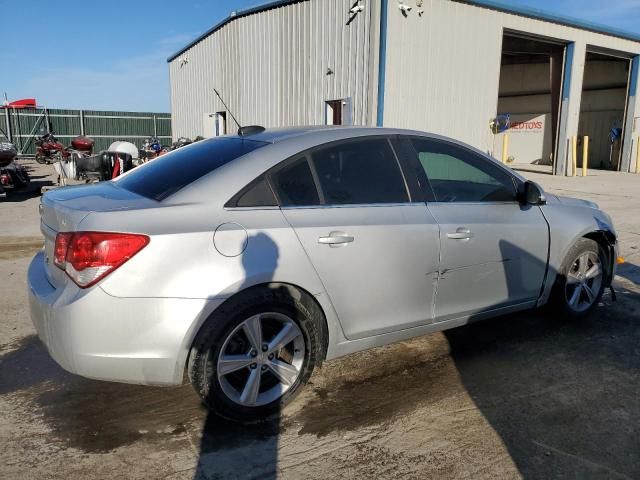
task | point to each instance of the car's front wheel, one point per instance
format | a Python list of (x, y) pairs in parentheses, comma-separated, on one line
[(251, 358), (581, 281)]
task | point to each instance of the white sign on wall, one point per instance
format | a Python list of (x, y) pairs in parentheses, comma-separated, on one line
[(529, 139)]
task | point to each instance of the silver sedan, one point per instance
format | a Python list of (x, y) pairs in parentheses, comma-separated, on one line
[(246, 261)]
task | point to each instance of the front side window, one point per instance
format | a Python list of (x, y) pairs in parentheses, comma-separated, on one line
[(457, 174), (362, 171)]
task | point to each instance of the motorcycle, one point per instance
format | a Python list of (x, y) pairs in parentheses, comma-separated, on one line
[(152, 148), (12, 175), (181, 142), (50, 150)]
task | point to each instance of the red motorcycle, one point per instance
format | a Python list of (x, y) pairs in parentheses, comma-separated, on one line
[(50, 150)]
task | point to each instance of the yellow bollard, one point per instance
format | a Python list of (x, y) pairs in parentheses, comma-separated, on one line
[(585, 155), (574, 155), (505, 148)]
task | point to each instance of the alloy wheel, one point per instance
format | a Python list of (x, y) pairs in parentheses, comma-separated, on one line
[(584, 281), (261, 359)]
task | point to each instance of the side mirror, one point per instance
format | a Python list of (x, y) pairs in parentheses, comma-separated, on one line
[(532, 194)]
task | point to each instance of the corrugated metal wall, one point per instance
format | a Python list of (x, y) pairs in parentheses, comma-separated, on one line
[(271, 68), (443, 73), (443, 67), (104, 127)]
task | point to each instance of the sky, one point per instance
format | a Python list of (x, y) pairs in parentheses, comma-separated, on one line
[(111, 55)]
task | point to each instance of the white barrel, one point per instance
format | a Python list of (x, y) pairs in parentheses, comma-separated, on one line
[(124, 147)]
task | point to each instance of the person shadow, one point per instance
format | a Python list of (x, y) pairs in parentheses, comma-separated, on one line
[(244, 450)]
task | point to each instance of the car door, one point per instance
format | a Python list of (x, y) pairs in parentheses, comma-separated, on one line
[(493, 249), (374, 249)]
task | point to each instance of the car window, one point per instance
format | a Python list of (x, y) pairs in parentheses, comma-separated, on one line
[(294, 184), (173, 171), (457, 174), (257, 194), (359, 171)]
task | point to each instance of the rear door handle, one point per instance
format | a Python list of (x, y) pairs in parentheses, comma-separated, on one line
[(460, 234), (336, 239)]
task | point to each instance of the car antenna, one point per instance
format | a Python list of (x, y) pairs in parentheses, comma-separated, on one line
[(242, 131)]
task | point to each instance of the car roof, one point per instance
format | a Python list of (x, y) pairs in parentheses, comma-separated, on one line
[(275, 135), (279, 145)]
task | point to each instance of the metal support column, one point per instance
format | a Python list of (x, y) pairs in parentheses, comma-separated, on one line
[(82, 122), (555, 70), (8, 125), (560, 161), (382, 61), (630, 113)]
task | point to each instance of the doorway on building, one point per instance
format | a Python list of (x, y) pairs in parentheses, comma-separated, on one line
[(605, 91), (338, 112), (333, 112), (529, 100), (220, 123)]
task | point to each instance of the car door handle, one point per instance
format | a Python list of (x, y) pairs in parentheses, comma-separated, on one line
[(460, 234), (336, 238)]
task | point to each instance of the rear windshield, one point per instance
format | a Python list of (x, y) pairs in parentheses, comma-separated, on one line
[(169, 173)]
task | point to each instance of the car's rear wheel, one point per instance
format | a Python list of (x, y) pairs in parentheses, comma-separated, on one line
[(249, 360), (581, 281)]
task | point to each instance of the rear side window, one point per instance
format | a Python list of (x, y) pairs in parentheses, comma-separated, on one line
[(169, 173), (294, 184), (257, 194), (362, 171)]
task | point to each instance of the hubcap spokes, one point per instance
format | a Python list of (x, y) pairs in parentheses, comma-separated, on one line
[(261, 359), (583, 281)]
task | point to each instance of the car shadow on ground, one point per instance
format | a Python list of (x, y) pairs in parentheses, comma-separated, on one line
[(563, 396), (32, 190), (559, 393), (630, 272), (99, 417)]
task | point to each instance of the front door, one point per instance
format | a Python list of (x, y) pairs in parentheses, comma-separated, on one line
[(375, 251), (493, 249)]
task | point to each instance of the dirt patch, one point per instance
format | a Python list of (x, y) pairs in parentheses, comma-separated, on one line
[(16, 247)]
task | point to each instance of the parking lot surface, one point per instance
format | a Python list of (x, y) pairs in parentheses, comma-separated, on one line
[(521, 396)]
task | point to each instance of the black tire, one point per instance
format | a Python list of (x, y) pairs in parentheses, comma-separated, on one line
[(202, 365), (560, 300), (41, 159)]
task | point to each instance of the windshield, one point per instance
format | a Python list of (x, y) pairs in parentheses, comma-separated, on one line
[(173, 171)]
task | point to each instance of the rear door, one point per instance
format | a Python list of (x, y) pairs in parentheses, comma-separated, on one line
[(374, 249), (493, 249)]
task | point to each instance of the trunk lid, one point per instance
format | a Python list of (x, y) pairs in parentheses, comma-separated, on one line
[(64, 209)]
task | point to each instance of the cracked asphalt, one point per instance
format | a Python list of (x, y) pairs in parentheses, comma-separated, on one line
[(520, 396)]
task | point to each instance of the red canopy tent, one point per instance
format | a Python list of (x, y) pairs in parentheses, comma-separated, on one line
[(23, 103)]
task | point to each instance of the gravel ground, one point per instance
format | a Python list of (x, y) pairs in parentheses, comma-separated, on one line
[(521, 396)]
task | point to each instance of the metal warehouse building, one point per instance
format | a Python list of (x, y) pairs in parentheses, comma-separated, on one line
[(472, 70)]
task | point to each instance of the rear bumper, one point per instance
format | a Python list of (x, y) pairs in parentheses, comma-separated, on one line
[(95, 335)]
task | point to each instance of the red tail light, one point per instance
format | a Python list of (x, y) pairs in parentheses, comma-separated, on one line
[(60, 249), (88, 257)]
